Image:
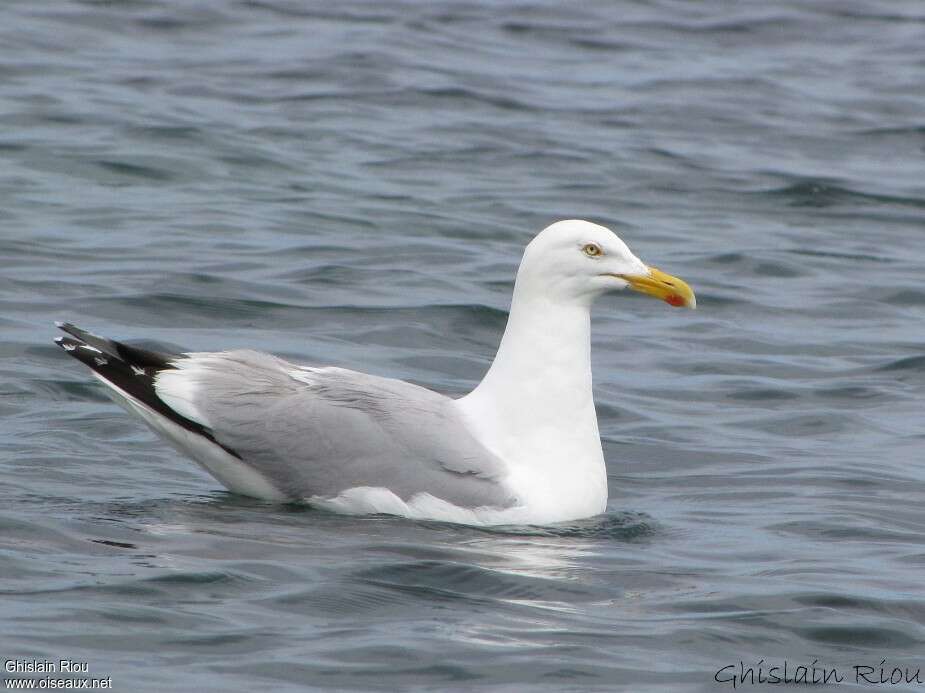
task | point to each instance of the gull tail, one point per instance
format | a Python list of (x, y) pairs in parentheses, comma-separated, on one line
[(131, 377), (131, 373)]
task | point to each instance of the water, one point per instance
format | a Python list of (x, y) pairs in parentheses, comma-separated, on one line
[(353, 184)]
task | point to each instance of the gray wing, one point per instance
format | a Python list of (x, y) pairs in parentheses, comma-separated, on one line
[(319, 431)]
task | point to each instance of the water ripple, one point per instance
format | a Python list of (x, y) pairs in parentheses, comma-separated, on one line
[(353, 183)]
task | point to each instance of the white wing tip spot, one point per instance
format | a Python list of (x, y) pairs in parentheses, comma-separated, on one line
[(100, 361), (137, 370)]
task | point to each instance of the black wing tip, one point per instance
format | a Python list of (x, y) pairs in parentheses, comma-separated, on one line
[(75, 331), (139, 356), (66, 326), (131, 370)]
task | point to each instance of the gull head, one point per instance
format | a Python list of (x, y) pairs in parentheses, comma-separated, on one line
[(577, 261)]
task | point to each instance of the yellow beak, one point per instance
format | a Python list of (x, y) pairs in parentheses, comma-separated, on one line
[(670, 289)]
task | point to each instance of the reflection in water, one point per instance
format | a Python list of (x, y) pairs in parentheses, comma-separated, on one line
[(404, 563)]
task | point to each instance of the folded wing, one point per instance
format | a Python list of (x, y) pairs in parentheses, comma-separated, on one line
[(269, 428)]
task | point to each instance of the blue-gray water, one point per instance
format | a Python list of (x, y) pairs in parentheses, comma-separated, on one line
[(353, 183)]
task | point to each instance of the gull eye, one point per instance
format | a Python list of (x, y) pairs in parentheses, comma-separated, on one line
[(592, 250)]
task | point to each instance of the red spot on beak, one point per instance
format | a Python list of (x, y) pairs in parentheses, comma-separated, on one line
[(674, 300)]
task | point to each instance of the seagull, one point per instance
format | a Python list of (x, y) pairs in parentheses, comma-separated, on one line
[(522, 448)]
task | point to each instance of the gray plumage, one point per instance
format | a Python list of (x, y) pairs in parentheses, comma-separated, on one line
[(338, 429)]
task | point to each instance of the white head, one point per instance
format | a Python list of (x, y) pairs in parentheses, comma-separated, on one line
[(577, 261)]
